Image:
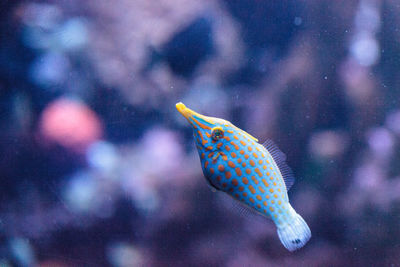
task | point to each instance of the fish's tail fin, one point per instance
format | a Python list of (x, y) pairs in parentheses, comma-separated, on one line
[(295, 234)]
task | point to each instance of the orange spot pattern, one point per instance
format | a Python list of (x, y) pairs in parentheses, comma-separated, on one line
[(235, 145), (202, 138), (252, 190), (260, 191), (257, 170), (254, 179), (221, 168), (238, 171), (201, 125)]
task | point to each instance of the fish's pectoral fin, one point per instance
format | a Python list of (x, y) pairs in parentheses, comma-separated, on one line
[(280, 159)]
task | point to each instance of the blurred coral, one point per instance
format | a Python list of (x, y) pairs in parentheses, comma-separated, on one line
[(70, 123)]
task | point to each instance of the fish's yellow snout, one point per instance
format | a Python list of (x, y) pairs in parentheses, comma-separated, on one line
[(186, 112), (194, 117), (183, 110), (180, 107)]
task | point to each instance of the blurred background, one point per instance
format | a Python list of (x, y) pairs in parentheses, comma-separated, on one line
[(97, 168)]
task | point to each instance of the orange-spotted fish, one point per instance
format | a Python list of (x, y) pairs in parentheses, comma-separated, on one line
[(256, 175)]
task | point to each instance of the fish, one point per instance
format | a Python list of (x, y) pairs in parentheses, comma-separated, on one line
[(255, 175)]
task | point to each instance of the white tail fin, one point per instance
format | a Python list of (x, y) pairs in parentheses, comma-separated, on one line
[(294, 235)]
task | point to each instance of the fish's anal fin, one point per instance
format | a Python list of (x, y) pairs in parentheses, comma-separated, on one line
[(213, 187), (236, 206), (280, 159)]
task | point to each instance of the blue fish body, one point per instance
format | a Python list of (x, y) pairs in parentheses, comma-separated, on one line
[(256, 175)]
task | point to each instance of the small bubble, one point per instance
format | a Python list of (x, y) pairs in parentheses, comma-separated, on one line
[(326, 77)]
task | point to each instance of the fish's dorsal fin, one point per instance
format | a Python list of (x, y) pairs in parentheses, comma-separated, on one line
[(280, 160)]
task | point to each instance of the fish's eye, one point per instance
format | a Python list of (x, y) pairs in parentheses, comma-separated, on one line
[(217, 133)]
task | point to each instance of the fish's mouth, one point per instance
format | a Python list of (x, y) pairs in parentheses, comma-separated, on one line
[(186, 112), (193, 117)]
